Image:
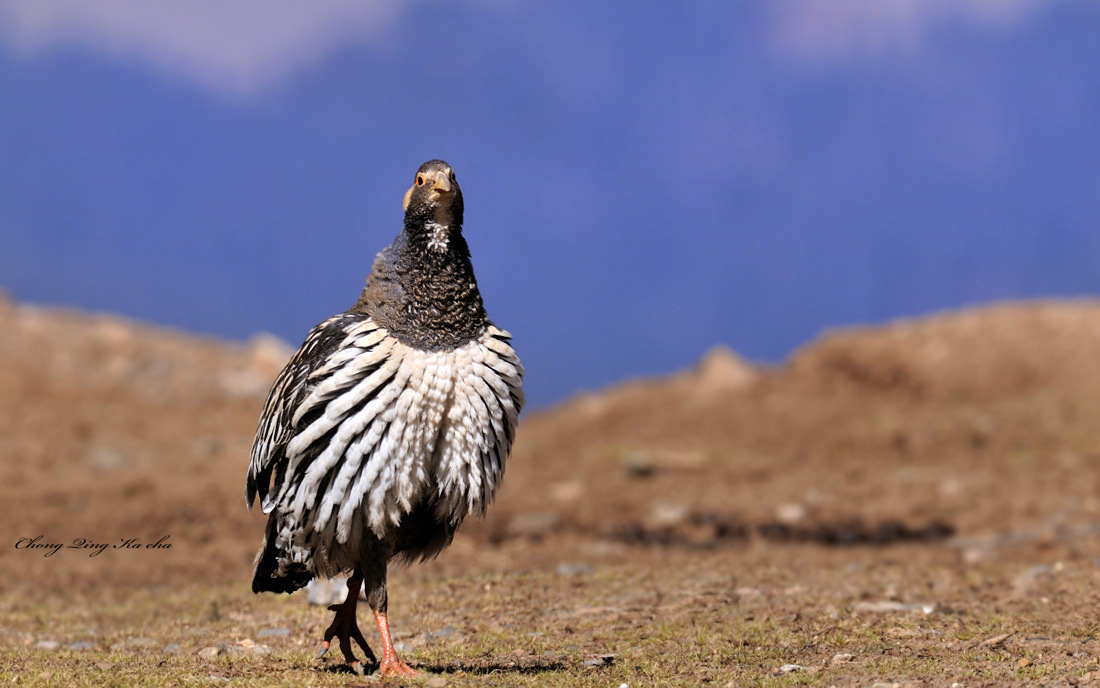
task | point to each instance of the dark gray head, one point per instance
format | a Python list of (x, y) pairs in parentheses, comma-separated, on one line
[(422, 287), (434, 197)]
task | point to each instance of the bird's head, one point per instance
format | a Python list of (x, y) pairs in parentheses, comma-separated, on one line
[(434, 197)]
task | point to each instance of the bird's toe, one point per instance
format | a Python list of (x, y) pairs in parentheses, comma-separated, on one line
[(395, 667)]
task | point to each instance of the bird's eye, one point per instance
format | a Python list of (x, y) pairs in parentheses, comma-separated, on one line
[(419, 180)]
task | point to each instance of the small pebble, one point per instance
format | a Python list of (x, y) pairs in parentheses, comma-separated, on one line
[(574, 569), (842, 658), (790, 668), (1023, 662), (208, 653), (790, 513), (445, 632), (532, 525), (600, 661), (639, 465), (273, 632), (887, 606), (667, 515), (171, 649), (47, 645), (82, 645)]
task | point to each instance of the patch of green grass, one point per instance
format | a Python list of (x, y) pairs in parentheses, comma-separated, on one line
[(671, 621)]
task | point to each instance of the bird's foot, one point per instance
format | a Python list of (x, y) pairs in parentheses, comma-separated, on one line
[(393, 666), (345, 629)]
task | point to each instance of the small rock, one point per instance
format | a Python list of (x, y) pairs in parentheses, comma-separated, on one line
[(1026, 582), (1023, 662), (600, 660), (209, 653), (273, 632), (790, 668), (842, 658), (567, 492), (533, 525), (973, 555), (171, 649), (888, 606), (269, 351), (437, 682), (790, 513), (723, 370), (639, 465), (247, 646), (667, 515), (435, 636), (102, 456), (47, 645), (574, 569), (82, 645)]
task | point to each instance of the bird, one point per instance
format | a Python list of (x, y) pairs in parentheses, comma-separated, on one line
[(389, 426)]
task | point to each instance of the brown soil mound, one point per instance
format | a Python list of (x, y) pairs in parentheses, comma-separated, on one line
[(978, 354)]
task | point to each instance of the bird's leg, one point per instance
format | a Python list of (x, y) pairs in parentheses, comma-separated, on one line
[(345, 628), (391, 664)]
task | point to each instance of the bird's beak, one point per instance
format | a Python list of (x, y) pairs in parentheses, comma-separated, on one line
[(442, 182)]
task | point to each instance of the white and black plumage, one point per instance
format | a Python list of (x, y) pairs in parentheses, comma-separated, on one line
[(390, 424)]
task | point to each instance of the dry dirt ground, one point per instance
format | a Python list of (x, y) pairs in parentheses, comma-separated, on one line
[(912, 504)]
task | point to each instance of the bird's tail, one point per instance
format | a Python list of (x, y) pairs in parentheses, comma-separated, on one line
[(274, 570)]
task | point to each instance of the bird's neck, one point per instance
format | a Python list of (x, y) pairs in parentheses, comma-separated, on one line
[(422, 288)]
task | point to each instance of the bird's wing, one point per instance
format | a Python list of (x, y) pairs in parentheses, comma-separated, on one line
[(317, 358)]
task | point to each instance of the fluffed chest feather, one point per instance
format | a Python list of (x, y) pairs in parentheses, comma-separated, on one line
[(380, 427)]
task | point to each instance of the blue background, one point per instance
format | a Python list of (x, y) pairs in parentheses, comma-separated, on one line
[(642, 180)]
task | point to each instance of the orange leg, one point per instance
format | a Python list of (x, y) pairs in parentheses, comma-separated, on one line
[(391, 664)]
